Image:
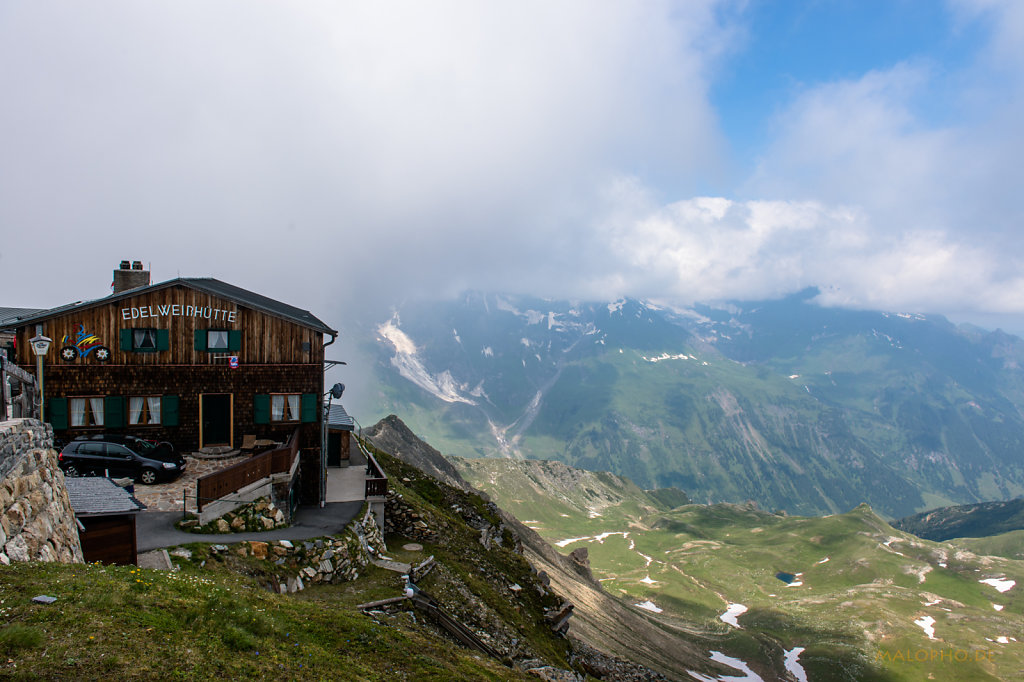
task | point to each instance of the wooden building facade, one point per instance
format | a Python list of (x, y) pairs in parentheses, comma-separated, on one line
[(194, 361)]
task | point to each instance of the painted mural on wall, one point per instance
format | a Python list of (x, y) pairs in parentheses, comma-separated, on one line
[(80, 344)]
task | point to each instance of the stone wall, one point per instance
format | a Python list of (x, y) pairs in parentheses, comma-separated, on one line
[(293, 565), (401, 518), (37, 522)]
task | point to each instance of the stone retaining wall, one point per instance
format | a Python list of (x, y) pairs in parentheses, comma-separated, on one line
[(303, 562), (37, 522), (401, 518)]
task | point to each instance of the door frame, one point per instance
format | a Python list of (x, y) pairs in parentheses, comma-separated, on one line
[(231, 420)]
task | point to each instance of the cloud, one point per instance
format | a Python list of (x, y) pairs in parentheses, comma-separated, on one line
[(382, 148), (338, 154)]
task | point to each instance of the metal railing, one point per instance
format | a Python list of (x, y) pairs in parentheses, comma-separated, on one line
[(233, 478)]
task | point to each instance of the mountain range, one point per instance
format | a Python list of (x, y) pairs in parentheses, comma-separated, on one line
[(794, 406)]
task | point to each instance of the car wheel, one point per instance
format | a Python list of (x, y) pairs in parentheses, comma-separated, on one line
[(68, 353), (71, 470), (148, 476)]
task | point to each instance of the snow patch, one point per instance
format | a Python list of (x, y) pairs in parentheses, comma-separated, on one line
[(649, 606), (997, 607), (792, 662), (823, 561), (926, 623), (733, 612), (1001, 584), (569, 541), (1003, 640), (487, 352), (410, 367), (616, 306), (647, 580), (719, 657), (666, 356)]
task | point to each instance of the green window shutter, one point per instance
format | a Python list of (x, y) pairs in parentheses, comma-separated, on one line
[(113, 411), (234, 340), (261, 408), (57, 412), (163, 339), (200, 339), (126, 340), (169, 410), (308, 407)]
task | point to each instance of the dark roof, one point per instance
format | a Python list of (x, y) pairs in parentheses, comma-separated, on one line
[(208, 285), (339, 420), (95, 496), (14, 314)]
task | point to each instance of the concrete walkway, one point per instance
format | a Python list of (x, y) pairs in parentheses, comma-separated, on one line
[(346, 484), (155, 529)]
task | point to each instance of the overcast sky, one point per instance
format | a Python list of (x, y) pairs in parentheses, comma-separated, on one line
[(336, 153)]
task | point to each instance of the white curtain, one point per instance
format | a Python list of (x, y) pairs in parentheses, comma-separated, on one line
[(217, 340), (134, 410), (293, 408), (96, 405), (276, 408), (154, 409), (78, 411)]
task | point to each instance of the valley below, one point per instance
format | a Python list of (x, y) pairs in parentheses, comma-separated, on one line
[(843, 596)]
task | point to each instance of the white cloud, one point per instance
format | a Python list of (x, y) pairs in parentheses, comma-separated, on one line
[(439, 143), (329, 153)]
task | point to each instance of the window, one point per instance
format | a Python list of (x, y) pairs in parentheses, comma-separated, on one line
[(271, 408), (285, 407), (143, 339), (144, 410), (216, 339), (86, 412)]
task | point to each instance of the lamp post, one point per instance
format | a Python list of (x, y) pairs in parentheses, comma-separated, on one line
[(40, 346)]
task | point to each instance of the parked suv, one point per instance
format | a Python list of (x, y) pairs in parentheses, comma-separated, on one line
[(118, 456)]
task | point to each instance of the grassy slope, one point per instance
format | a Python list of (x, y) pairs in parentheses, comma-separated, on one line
[(213, 620), (859, 606)]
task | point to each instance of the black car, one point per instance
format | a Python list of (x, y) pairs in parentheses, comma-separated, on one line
[(118, 456)]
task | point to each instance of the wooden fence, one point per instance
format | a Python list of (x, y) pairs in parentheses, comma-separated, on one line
[(376, 479), (25, 406), (233, 478)]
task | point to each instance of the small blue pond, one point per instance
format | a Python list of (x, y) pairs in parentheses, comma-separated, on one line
[(785, 577)]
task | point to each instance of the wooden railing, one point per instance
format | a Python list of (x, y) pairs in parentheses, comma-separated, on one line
[(233, 478), (376, 479)]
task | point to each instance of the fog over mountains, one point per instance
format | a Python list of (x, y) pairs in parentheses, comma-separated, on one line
[(795, 406)]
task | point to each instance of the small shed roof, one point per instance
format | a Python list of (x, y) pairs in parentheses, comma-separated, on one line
[(339, 420), (14, 314), (95, 496)]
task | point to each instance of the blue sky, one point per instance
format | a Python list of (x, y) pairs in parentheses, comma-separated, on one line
[(697, 150), (787, 47)]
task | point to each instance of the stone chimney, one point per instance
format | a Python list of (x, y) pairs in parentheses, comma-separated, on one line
[(130, 276)]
